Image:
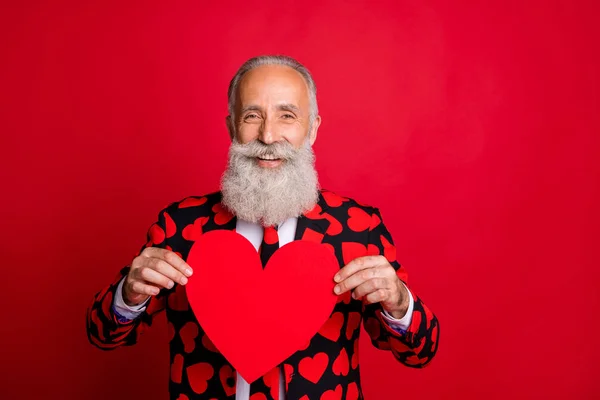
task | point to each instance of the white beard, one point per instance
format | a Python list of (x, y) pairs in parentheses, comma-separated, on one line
[(270, 196)]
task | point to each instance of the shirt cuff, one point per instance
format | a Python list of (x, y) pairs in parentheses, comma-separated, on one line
[(400, 325), (123, 311)]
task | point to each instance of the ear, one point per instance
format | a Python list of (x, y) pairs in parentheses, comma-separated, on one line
[(230, 127), (314, 129)]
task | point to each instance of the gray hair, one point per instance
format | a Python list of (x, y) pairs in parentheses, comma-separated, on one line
[(274, 60)]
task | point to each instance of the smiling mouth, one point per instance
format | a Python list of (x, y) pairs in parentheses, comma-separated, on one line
[(268, 159)]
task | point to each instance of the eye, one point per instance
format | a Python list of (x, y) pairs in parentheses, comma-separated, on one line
[(251, 116), (287, 116)]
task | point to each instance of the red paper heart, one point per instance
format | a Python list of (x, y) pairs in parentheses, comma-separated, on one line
[(257, 318)]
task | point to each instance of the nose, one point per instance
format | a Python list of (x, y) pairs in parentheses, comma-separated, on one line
[(268, 132)]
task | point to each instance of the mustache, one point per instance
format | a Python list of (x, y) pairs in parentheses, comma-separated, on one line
[(281, 150)]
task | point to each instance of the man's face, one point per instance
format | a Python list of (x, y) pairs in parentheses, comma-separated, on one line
[(272, 105), (270, 174)]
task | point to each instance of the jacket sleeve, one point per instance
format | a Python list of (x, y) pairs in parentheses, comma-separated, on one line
[(417, 347), (104, 328)]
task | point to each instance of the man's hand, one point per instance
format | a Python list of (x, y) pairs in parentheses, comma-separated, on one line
[(152, 270), (374, 280)]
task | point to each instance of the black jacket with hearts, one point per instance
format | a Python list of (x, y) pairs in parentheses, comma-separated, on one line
[(328, 368)]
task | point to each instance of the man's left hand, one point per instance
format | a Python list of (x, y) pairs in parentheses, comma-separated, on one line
[(374, 280)]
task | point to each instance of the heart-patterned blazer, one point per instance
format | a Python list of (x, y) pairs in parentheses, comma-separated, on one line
[(328, 367)]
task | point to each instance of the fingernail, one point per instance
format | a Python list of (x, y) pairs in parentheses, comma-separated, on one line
[(353, 295), (336, 278), (183, 280), (337, 289), (188, 271), (170, 284), (155, 291)]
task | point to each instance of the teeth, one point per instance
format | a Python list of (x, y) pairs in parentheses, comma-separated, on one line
[(268, 157)]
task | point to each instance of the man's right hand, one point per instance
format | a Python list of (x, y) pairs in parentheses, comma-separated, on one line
[(152, 270)]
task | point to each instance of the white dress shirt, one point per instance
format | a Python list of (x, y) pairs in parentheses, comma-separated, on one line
[(254, 233)]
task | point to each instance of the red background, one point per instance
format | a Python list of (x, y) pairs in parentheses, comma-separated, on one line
[(473, 126)]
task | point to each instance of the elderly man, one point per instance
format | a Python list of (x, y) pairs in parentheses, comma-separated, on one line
[(270, 189)]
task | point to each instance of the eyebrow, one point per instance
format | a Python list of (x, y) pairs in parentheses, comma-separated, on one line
[(280, 107), (288, 107), (251, 108)]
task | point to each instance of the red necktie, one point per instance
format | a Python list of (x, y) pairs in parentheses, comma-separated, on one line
[(270, 244)]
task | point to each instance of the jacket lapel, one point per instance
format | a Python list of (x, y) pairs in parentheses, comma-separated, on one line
[(312, 225), (219, 217)]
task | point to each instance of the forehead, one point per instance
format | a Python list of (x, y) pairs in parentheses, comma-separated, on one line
[(272, 83)]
